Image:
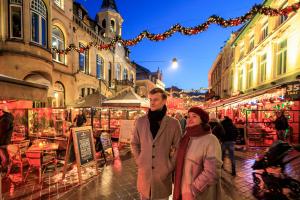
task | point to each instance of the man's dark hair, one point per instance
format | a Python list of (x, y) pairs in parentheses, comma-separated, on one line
[(159, 90)]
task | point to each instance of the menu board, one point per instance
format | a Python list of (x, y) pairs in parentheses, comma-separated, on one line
[(85, 146), (126, 129)]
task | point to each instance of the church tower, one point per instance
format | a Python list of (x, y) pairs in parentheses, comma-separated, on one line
[(110, 19)]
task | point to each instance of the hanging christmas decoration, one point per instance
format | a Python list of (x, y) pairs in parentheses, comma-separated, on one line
[(214, 19)]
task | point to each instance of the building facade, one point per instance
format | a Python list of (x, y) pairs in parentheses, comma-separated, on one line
[(147, 80), (262, 75), (29, 30)]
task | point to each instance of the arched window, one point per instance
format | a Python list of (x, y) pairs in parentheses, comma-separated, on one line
[(104, 23), (58, 41), (112, 25), (38, 22), (118, 72), (99, 66), (84, 59), (59, 95), (16, 19), (125, 74)]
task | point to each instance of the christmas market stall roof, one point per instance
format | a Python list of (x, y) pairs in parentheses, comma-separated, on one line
[(92, 100), (127, 98), (15, 89)]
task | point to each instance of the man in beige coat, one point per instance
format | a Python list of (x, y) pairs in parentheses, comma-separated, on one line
[(154, 142)]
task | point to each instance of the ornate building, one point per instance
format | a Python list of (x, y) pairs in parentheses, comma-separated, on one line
[(29, 30)]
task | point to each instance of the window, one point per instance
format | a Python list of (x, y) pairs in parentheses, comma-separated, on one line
[(59, 3), (281, 56), (58, 41), (80, 13), (99, 67), (16, 19), (263, 68), (251, 46), (96, 29), (231, 80), (264, 31), (88, 91), (104, 23), (242, 51), (59, 94), (250, 76), (84, 59), (125, 74), (240, 86), (118, 72), (112, 26), (109, 74), (82, 92), (283, 18), (39, 22), (131, 77)]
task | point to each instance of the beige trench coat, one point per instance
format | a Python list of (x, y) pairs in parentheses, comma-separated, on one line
[(155, 158), (202, 169)]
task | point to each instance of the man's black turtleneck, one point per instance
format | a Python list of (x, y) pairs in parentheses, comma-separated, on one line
[(155, 117)]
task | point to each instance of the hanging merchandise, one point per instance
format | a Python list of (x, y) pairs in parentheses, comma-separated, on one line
[(214, 19)]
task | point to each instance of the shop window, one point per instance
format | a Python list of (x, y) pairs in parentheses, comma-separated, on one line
[(99, 66), (263, 68), (59, 3), (58, 41), (281, 57), (84, 59), (38, 22), (16, 19)]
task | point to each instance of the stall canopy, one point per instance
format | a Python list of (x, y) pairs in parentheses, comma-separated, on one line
[(127, 98), (15, 89), (92, 100)]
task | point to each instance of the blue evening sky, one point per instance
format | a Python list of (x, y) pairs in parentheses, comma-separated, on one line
[(195, 53)]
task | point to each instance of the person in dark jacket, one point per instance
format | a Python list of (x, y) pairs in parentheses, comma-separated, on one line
[(6, 130), (216, 127), (281, 126), (228, 141), (80, 119)]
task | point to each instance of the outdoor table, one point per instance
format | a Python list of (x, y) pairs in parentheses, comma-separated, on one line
[(43, 147)]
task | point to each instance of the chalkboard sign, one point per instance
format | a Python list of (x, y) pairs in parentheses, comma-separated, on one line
[(85, 145), (83, 142)]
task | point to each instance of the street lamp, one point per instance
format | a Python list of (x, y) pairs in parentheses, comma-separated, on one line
[(174, 63)]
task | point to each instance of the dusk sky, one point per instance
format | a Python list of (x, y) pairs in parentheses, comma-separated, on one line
[(195, 53)]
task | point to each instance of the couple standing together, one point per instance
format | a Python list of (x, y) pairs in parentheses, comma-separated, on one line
[(160, 149)]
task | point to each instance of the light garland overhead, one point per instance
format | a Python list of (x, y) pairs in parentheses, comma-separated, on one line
[(256, 9)]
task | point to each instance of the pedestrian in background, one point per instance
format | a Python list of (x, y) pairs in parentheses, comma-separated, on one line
[(281, 126), (216, 126), (228, 141), (181, 120), (80, 119), (154, 142), (198, 165), (6, 130)]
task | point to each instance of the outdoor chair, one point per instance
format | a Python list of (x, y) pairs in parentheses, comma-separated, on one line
[(15, 159)]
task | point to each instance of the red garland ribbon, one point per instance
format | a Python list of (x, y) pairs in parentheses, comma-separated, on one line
[(256, 9)]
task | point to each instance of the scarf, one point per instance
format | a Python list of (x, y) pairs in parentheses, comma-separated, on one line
[(155, 118), (195, 131)]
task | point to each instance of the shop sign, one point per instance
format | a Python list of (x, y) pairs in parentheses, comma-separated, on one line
[(293, 91)]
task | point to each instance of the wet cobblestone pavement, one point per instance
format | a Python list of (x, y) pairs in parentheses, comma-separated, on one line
[(118, 180)]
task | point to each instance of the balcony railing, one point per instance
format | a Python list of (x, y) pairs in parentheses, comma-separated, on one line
[(124, 82)]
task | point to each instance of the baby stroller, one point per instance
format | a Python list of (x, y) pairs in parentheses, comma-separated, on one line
[(272, 185)]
